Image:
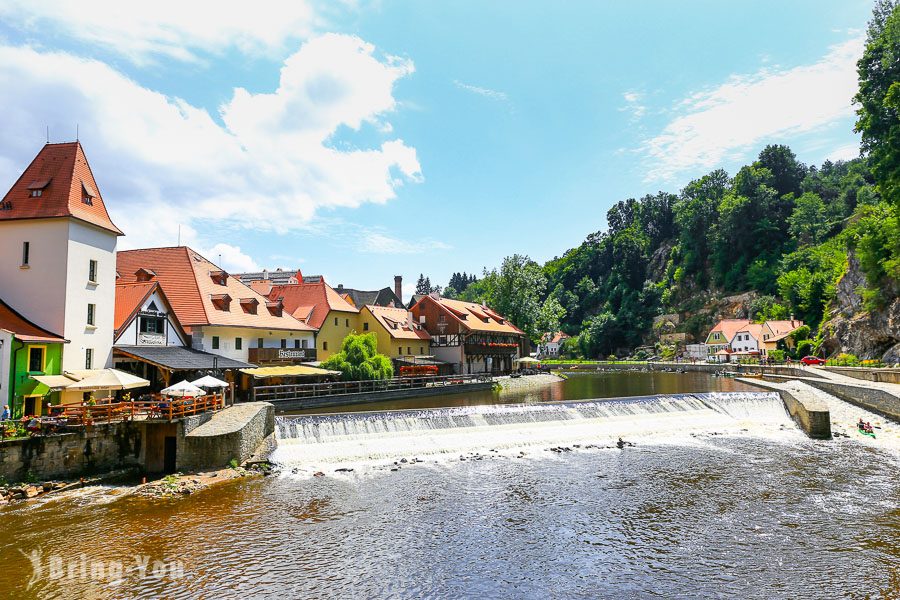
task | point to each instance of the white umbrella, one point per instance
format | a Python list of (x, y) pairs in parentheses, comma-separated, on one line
[(208, 381), (182, 389), (108, 379)]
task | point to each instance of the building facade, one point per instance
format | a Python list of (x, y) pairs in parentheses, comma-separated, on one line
[(397, 333), (470, 336), (57, 254)]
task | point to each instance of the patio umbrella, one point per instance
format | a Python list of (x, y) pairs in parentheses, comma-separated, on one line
[(108, 379), (182, 389), (209, 381), (527, 360)]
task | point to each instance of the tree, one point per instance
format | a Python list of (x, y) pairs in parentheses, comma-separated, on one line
[(787, 173), (879, 98), (809, 221), (422, 287), (359, 360), (516, 291)]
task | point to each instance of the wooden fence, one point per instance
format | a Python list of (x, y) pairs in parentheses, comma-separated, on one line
[(273, 393)]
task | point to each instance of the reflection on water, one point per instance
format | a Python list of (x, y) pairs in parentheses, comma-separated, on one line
[(760, 515)]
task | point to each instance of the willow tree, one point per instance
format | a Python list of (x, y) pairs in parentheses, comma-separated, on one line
[(359, 360)]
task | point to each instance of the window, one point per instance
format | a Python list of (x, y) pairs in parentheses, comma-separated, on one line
[(335, 321), (92, 308), (26, 252), (36, 359), (297, 344), (421, 350), (346, 322), (284, 343), (89, 358), (304, 344), (238, 344), (400, 351), (36, 193), (92, 271), (215, 342), (409, 350), (259, 342), (324, 345), (151, 325), (366, 326)]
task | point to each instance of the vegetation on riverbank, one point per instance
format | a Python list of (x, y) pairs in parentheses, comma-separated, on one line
[(359, 359)]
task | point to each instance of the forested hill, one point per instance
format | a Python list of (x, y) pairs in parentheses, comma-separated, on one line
[(783, 233)]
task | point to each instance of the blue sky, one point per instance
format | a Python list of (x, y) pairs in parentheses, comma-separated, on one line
[(367, 139)]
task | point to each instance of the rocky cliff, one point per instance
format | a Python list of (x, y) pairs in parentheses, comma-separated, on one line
[(852, 329)]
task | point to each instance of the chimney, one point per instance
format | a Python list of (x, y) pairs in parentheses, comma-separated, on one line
[(265, 275), (398, 286)]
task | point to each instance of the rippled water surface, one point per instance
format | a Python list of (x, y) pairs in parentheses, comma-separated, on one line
[(761, 513)]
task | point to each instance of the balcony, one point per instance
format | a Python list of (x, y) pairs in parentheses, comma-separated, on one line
[(281, 356), (492, 349)]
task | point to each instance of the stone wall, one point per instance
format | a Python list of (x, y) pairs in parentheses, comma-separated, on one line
[(874, 399), (232, 434), (881, 375), (88, 451)]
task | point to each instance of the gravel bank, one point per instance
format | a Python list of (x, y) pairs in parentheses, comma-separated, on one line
[(527, 382)]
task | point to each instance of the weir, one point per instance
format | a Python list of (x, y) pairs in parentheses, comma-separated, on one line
[(338, 438)]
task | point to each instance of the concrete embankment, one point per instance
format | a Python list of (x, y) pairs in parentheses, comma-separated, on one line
[(807, 410), (688, 367), (871, 397)]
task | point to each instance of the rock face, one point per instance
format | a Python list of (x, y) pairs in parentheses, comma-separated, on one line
[(857, 331)]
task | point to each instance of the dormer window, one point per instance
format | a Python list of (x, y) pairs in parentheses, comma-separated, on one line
[(144, 274), (219, 277), (275, 307), (249, 305), (87, 194), (221, 301), (36, 188)]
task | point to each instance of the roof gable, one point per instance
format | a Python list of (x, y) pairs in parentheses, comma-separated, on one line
[(310, 302), (57, 183), (473, 316), (728, 327), (397, 322)]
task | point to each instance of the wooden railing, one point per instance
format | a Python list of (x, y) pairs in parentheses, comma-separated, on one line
[(273, 393)]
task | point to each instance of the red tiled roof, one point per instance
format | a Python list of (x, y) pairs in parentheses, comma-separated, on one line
[(309, 302), (475, 317), (185, 276), (63, 176), (555, 338), (398, 322), (729, 327), (129, 299), (24, 329), (754, 329)]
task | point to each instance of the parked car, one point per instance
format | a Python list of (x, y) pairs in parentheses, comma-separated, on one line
[(812, 360)]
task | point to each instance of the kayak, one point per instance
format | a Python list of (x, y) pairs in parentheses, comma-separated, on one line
[(864, 432)]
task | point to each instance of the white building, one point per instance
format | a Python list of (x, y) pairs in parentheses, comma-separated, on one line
[(221, 315), (58, 254), (551, 343), (746, 340)]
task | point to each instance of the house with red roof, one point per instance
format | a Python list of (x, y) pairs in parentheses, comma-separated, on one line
[(471, 336), (399, 336), (312, 301), (222, 316), (551, 344), (27, 351), (57, 254)]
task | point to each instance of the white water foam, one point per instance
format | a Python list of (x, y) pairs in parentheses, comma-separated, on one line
[(323, 441)]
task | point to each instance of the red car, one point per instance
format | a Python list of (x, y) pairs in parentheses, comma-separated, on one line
[(812, 360)]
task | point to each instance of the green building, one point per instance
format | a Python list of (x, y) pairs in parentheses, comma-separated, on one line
[(27, 351)]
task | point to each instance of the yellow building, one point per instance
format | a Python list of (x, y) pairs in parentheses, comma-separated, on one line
[(397, 333), (314, 302)]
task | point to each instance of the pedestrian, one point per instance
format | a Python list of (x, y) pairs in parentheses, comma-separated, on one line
[(5, 416)]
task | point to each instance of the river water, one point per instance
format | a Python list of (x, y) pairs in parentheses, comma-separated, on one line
[(720, 496)]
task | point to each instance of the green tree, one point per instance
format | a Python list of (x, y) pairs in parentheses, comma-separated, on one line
[(359, 360), (878, 98), (516, 291), (809, 221)]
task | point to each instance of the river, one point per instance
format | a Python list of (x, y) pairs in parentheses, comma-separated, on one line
[(720, 496)]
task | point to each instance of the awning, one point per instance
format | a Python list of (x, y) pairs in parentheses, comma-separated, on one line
[(288, 371), (108, 379), (420, 361), (178, 358), (54, 382)]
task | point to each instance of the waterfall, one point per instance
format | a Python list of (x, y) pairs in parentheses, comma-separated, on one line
[(366, 436)]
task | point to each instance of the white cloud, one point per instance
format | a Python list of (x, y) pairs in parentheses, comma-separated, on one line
[(481, 91), (160, 161), (170, 28), (723, 123), (847, 152), (230, 258), (375, 242), (634, 104)]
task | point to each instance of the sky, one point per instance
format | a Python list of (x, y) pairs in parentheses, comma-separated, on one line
[(366, 139)]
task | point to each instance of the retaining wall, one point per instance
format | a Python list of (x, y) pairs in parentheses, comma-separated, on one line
[(880, 375), (810, 414), (876, 400), (232, 434)]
